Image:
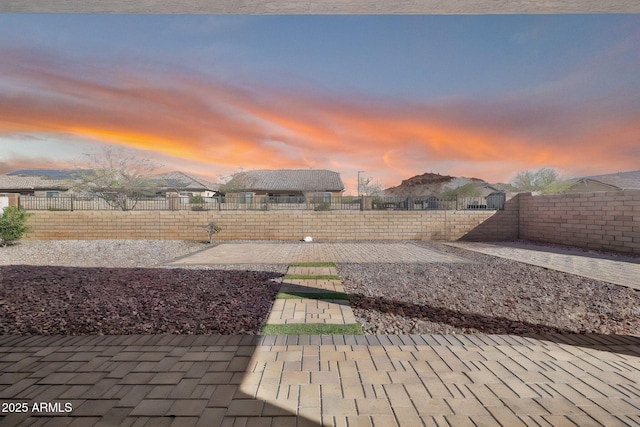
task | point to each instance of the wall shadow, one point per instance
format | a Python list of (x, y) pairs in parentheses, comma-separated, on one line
[(497, 325), (503, 225)]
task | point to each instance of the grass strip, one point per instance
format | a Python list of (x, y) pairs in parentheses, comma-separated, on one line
[(312, 329), (312, 295), (312, 264), (304, 277)]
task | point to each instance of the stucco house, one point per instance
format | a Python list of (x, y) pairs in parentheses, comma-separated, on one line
[(186, 185), (284, 183), (608, 182), (56, 182), (36, 182)]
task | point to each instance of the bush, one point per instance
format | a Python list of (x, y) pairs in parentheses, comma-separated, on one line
[(12, 225), (212, 229), (325, 206)]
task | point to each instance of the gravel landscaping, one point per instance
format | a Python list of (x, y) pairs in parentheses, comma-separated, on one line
[(67, 287), (97, 253), (122, 287), (77, 301), (492, 295)]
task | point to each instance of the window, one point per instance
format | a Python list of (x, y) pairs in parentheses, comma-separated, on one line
[(51, 194)]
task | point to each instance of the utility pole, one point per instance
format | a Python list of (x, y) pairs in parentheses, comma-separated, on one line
[(359, 172)]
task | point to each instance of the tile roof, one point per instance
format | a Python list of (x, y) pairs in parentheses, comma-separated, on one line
[(41, 179), (60, 174), (11, 182), (623, 180), (181, 180), (288, 180)]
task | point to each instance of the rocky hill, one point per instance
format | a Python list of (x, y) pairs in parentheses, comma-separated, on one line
[(430, 184)]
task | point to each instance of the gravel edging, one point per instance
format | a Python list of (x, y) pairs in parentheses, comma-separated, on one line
[(97, 253), (493, 295)]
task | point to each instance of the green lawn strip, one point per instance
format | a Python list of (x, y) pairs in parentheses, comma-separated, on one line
[(312, 264), (312, 329), (304, 277), (312, 295)]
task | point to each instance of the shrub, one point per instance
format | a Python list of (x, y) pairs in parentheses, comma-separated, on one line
[(212, 229), (325, 206), (197, 203), (12, 225)]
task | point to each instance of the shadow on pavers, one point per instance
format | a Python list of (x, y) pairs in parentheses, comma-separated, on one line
[(130, 379)]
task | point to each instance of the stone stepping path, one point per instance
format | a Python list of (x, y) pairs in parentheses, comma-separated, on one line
[(318, 283)]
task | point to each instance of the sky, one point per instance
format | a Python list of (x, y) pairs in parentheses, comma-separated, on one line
[(480, 96)]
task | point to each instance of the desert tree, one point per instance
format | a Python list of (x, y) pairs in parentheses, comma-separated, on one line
[(544, 180), (118, 177), (235, 182), (462, 191), (369, 187)]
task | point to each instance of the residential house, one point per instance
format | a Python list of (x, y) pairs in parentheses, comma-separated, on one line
[(56, 182), (285, 183), (608, 182), (186, 185), (36, 182)]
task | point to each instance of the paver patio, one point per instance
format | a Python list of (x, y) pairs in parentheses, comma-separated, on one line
[(624, 271), (338, 380), (323, 380), (286, 253)]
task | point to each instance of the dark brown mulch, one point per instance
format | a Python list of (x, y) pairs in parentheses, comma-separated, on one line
[(42, 300)]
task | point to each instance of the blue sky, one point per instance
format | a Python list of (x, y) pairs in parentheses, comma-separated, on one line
[(397, 96)]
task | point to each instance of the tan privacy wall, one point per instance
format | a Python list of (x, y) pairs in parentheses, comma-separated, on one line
[(599, 220), (265, 225)]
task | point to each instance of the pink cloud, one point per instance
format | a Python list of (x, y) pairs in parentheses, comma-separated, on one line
[(192, 118)]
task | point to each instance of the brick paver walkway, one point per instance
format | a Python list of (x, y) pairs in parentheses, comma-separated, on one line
[(321, 380), (306, 310), (285, 253), (624, 271)]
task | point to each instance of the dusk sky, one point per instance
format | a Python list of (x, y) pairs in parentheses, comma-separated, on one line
[(395, 96)]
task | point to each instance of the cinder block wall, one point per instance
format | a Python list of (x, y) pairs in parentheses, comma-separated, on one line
[(262, 225), (600, 220), (503, 225)]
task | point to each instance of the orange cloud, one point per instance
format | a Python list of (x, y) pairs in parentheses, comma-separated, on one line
[(191, 117)]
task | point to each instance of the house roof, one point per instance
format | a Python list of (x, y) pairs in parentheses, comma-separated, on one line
[(182, 181), (288, 180), (50, 179), (59, 174), (21, 182), (621, 180)]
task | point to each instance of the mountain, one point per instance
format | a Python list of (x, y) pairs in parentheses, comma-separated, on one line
[(429, 184)]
